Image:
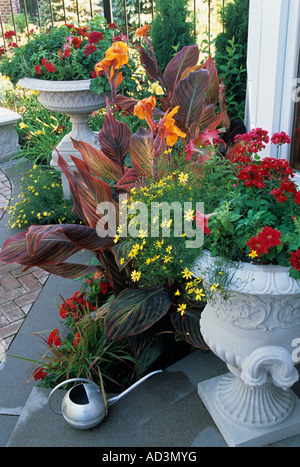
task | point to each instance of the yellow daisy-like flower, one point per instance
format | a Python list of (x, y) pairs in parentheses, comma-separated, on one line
[(181, 308), (183, 178), (186, 274), (116, 239), (135, 275), (177, 292), (167, 259), (253, 254), (166, 223), (199, 294), (214, 287), (122, 261), (169, 249), (148, 261), (159, 244), (189, 215)]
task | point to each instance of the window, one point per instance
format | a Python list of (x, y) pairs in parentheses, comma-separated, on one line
[(296, 133)]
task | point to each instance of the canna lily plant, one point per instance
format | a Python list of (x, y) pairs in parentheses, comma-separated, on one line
[(187, 109)]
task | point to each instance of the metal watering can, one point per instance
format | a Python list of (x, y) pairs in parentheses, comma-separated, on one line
[(83, 406)]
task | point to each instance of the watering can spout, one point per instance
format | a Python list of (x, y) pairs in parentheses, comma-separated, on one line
[(116, 398)]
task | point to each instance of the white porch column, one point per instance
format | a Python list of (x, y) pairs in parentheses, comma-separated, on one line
[(273, 53)]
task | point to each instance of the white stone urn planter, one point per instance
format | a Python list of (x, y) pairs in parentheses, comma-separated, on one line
[(75, 99), (254, 331)]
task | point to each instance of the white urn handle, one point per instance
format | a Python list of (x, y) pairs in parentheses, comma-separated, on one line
[(271, 360)]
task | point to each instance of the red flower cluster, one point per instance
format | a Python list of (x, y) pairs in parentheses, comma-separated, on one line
[(74, 305), (2, 51), (77, 339), (267, 238), (89, 49), (39, 373), (9, 34), (253, 141), (295, 260), (280, 138), (48, 66), (95, 37), (54, 338)]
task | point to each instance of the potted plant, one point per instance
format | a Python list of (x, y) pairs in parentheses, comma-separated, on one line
[(102, 175), (59, 64), (251, 269)]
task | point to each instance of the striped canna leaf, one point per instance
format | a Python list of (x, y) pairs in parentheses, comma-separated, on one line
[(141, 152), (187, 57), (114, 139), (189, 95), (212, 92), (97, 162), (135, 310), (188, 326)]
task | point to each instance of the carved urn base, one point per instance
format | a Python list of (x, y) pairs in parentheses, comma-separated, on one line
[(253, 331), (75, 99)]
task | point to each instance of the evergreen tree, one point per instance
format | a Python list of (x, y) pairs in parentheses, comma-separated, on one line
[(172, 26)]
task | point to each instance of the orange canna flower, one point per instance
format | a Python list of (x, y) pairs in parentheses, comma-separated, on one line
[(116, 56), (142, 32), (170, 132), (143, 110)]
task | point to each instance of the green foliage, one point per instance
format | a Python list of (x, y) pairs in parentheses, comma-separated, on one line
[(40, 201), (40, 130), (84, 351), (21, 61), (171, 26), (231, 54)]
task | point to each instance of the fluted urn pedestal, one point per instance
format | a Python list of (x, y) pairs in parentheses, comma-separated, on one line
[(255, 331), (75, 99)]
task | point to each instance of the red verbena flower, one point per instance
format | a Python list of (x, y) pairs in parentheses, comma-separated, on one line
[(295, 259), (112, 26)]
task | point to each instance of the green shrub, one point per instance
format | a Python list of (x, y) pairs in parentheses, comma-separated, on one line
[(231, 46), (171, 27)]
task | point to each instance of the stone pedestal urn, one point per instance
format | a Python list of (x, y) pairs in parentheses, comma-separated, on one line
[(75, 99), (256, 332)]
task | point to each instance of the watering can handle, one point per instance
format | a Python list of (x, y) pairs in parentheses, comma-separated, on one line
[(62, 384)]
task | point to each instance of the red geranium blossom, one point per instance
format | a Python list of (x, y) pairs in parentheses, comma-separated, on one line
[(281, 138), (39, 373), (95, 37), (112, 26), (89, 49), (9, 34), (54, 338), (37, 69), (44, 61), (76, 42), (295, 260), (50, 67)]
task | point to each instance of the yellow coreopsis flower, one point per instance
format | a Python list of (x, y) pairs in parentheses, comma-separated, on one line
[(186, 274), (135, 275), (181, 308)]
